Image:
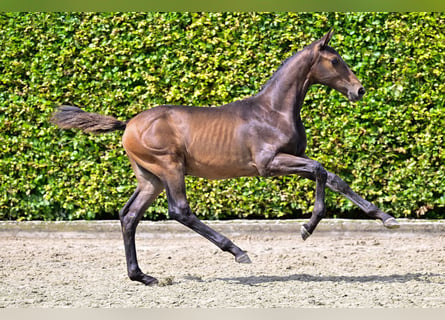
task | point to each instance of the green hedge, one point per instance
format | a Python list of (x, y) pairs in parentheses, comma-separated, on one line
[(389, 146)]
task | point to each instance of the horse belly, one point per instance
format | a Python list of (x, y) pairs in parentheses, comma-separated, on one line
[(219, 166), (214, 161)]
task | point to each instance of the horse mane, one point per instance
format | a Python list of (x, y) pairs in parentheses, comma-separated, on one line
[(283, 64), (277, 72), (274, 75)]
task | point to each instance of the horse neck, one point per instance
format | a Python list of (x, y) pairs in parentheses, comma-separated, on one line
[(287, 88)]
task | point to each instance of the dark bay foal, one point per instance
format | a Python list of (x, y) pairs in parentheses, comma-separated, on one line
[(262, 135)]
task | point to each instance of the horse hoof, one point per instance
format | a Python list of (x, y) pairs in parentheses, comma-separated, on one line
[(391, 223), (147, 280), (304, 233), (244, 258), (151, 282)]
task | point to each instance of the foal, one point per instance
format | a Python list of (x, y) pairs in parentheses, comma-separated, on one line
[(262, 135)]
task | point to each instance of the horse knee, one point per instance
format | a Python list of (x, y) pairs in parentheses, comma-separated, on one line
[(320, 172)]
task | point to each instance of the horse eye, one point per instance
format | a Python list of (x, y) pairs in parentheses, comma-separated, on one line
[(334, 61)]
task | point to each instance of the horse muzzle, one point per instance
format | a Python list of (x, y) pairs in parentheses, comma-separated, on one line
[(356, 94)]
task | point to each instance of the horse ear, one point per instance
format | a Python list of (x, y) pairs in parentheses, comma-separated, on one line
[(326, 38)]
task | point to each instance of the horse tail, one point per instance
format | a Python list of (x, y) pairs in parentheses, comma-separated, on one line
[(69, 117)]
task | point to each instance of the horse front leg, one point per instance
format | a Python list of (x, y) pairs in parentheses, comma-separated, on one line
[(284, 164), (336, 184)]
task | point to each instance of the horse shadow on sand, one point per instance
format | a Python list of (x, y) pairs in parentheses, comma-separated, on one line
[(394, 278)]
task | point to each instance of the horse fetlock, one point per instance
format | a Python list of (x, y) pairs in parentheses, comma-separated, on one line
[(227, 245), (319, 211)]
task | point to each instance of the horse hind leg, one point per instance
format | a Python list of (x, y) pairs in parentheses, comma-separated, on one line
[(149, 187), (179, 209)]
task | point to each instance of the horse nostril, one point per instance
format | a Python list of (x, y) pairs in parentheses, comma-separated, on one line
[(361, 91)]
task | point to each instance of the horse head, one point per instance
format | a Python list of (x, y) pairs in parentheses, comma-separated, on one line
[(331, 70)]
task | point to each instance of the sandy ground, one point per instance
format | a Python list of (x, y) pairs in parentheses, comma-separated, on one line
[(343, 264)]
